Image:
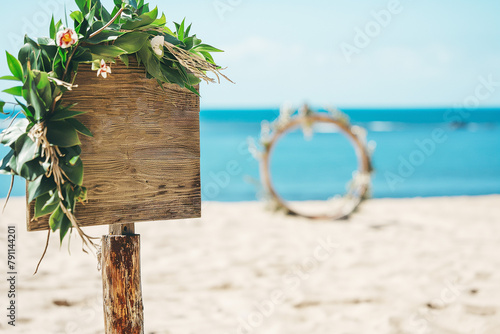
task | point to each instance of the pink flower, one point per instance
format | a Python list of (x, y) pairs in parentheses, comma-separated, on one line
[(104, 69), (66, 38)]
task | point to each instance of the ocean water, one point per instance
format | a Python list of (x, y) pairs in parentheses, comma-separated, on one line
[(430, 152)]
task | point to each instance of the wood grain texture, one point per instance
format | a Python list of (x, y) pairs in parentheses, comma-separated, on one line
[(143, 163), (122, 229), (121, 282)]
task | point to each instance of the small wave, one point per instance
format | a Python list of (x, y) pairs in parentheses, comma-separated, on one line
[(385, 126)]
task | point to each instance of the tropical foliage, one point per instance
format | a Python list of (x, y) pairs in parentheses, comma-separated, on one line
[(44, 144)]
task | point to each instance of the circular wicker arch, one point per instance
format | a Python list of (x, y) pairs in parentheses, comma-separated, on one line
[(357, 194)]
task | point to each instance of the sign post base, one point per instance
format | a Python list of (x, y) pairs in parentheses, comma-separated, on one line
[(121, 280)]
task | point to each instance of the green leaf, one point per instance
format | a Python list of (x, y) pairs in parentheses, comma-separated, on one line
[(180, 31), (106, 51), (47, 55), (81, 195), (206, 48), (58, 66), (192, 89), (46, 204), (58, 25), (105, 36), (15, 66), (82, 28), (10, 135), (65, 113), (124, 59), (56, 218), (16, 91), (172, 75), (96, 64), (82, 5), (30, 52), (52, 30), (30, 171), (62, 133), (132, 3), (26, 149), (172, 40), (188, 30), (4, 163), (132, 41), (73, 161), (6, 171), (75, 172), (96, 26), (46, 41), (160, 22), (90, 17), (76, 16), (44, 90), (80, 127), (26, 110), (30, 94), (69, 196), (64, 228), (9, 77), (39, 187), (104, 14), (2, 105), (82, 55), (69, 153), (52, 201), (184, 74), (151, 63), (143, 20), (191, 42), (208, 57)]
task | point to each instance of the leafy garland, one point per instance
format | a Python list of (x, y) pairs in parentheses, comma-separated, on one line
[(44, 145), (288, 120)]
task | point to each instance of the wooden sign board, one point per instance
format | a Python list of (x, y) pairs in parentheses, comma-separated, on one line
[(143, 163)]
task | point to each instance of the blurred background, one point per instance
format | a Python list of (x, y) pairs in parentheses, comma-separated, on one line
[(422, 77)]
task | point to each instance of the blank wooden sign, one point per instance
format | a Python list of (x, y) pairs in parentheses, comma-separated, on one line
[(143, 163)]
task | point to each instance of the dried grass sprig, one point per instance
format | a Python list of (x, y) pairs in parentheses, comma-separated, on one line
[(38, 134), (195, 64)]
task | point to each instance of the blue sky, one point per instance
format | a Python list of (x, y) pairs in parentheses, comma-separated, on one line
[(425, 54)]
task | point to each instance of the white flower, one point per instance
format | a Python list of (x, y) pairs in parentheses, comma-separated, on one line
[(66, 38), (157, 45), (104, 69)]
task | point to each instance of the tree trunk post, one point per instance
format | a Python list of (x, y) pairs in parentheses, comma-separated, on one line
[(121, 280)]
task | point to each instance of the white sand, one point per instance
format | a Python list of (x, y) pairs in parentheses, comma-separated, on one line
[(398, 266)]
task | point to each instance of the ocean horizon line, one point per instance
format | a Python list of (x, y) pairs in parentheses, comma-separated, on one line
[(454, 116), (377, 108)]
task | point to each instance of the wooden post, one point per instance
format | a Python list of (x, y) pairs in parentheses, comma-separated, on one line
[(121, 280)]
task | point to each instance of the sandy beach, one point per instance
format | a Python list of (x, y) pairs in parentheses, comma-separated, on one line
[(399, 266)]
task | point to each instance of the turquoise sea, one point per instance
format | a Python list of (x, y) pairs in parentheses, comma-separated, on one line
[(420, 152)]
